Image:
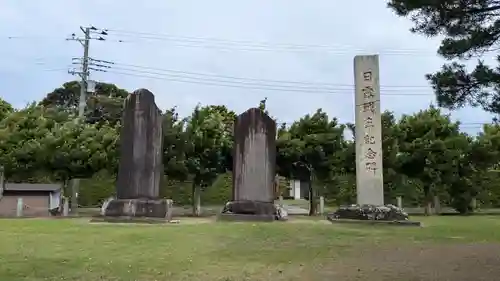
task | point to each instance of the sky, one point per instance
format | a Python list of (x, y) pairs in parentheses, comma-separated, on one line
[(232, 47)]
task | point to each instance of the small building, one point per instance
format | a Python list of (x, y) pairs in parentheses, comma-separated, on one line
[(38, 200)]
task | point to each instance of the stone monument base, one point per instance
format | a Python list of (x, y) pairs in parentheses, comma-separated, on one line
[(138, 208), (371, 214), (241, 217), (375, 222), (252, 211), (138, 220)]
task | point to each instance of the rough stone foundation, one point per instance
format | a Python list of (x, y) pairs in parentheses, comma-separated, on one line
[(138, 208)]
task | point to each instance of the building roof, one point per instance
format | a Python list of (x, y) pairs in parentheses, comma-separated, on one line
[(32, 187)]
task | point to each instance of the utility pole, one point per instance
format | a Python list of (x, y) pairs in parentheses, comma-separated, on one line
[(84, 75)]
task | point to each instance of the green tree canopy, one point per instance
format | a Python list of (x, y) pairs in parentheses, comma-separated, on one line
[(206, 140), (430, 145), (5, 109), (104, 105)]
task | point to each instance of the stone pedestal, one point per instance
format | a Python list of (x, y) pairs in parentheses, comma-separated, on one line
[(139, 208), (247, 210), (241, 218)]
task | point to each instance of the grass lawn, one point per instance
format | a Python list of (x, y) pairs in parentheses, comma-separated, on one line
[(197, 249)]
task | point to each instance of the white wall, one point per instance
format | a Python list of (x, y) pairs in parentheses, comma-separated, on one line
[(55, 200), (294, 189)]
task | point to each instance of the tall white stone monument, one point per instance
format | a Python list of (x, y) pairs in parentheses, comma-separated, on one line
[(369, 175)]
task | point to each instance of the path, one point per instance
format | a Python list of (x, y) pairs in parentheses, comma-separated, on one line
[(295, 210), (424, 262)]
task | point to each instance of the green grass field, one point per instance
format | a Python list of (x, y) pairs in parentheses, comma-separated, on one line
[(200, 249)]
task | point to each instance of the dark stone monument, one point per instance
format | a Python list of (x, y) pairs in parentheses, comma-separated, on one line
[(254, 169), (140, 166)]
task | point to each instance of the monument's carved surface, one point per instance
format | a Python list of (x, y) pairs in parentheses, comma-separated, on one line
[(369, 176)]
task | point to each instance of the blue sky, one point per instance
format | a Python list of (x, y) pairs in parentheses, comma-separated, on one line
[(291, 40)]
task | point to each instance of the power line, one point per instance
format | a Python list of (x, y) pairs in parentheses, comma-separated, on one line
[(220, 47), (261, 80), (237, 45), (243, 82), (298, 88), (244, 45), (235, 84), (189, 39), (247, 43), (465, 125), (152, 35), (235, 79), (222, 80), (241, 43), (14, 38), (90, 33), (397, 91)]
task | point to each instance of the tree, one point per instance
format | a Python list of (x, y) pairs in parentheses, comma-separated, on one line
[(79, 150), (174, 144), (312, 148), (206, 141), (5, 109), (20, 135), (104, 105), (470, 28), (429, 145), (393, 181), (484, 157), (43, 142)]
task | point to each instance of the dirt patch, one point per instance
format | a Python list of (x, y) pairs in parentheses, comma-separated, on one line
[(478, 262)]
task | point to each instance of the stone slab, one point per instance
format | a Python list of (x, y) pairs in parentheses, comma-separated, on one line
[(146, 208), (377, 222), (141, 137), (241, 218), (254, 157)]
